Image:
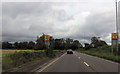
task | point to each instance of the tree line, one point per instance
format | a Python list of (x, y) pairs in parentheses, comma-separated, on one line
[(60, 44), (18, 45)]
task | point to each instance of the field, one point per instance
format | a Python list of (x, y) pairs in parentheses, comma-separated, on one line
[(6, 51), (11, 51), (15, 58)]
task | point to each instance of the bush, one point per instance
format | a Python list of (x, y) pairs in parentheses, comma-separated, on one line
[(7, 63), (104, 52), (105, 48), (50, 53), (19, 58), (10, 61), (119, 49)]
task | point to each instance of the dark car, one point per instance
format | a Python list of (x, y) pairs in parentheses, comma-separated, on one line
[(69, 52)]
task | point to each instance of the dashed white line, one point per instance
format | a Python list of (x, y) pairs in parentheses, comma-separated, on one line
[(86, 64), (75, 55), (78, 57)]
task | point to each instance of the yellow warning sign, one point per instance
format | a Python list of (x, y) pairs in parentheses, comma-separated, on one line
[(47, 37), (115, 36)]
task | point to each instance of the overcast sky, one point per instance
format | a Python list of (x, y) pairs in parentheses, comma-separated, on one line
[(24, 21)]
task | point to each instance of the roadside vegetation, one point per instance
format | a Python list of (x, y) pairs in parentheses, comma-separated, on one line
[(100, 48), (39, 44), (13, 60), (103, 52), (19, 53)]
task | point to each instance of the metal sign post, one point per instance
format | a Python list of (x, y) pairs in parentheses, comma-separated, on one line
[(115, 38)]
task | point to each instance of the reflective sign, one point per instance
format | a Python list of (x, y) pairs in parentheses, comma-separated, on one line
[(47, 37), (115, 36)]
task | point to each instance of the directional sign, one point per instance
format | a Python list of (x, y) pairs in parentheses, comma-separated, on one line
[(115, 36), (47, 37)]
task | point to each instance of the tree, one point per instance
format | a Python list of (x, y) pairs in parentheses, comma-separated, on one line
[(0, 45), (40, 44), (96, 42), (50, 53), (52, 42), (69, 43), (16, 45), (87, 46), (119, 49), (60, 44), (21, 45), (76, 44), (31, 45), (24, 45), (6, 45)]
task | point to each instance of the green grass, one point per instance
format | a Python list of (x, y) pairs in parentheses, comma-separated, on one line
[(12, 60), (101, 54), (19, 58)]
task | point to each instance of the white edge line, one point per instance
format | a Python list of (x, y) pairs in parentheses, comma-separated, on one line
[(86, 64), (50, 64), (109, 61), (75, 55)]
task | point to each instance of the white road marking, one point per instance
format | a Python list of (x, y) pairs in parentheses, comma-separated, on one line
[(99, 58), (102, 59), (108, 61), (50, 64), (86, 64), (75, 55), (78, 57)]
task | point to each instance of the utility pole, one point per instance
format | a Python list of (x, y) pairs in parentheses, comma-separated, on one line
[(116, 16), (117, 22)]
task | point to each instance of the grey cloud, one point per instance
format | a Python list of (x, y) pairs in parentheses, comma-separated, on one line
[(25, 21), (61, 15), (18, 9), (99, 24)]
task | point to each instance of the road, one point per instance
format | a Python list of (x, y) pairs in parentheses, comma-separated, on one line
[(79, 62)]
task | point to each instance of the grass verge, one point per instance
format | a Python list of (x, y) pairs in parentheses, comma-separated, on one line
[(104, 55), (13, 60)]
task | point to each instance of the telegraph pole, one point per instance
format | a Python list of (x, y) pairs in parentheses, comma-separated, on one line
[(116, 16), (117, 22)]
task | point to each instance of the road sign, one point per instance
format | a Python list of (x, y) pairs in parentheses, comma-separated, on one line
[(115, 36), (47, 37)]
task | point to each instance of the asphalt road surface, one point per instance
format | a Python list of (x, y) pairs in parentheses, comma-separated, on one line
[(79, 62)]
